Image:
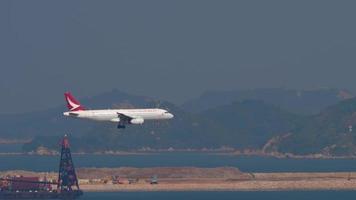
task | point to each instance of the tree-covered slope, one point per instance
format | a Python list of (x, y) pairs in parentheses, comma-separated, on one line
[(331, 132), (296, 101), (243, 124), (247, 124)]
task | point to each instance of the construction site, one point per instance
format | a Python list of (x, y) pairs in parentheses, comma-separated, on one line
[(64, 184), (36, 187)]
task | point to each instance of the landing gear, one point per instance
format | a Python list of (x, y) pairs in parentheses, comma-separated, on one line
[(121, 126)]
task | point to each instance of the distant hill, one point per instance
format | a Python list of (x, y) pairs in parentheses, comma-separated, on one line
[(250, 123), (246, 124), (52, 121), (296, 101), (330, 132), (241, 124)]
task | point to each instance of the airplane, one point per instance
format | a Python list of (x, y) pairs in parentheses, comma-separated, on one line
[(122, 117)]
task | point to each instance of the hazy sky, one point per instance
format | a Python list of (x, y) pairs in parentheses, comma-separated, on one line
[(173, 50)]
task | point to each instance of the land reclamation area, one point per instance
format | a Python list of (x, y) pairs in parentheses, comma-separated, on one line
[(200, 179)]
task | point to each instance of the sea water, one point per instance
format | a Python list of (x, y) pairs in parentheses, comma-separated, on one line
[(284, 195), (244, 163)]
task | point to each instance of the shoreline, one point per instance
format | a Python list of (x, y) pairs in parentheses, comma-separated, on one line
[(223, 185), (200, 179), (124, 153), (243, 187)]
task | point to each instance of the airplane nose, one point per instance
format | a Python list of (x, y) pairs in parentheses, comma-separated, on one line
[(170, 116), (66, 113)]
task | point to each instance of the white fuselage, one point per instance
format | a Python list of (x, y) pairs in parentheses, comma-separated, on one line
[(113, 115)]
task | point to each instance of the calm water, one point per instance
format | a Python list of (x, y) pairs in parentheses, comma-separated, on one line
[(244, 163), (247, 164), (10, 147), (314, 195)]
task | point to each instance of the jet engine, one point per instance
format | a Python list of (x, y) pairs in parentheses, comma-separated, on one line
[(137, 121), (115, 120)]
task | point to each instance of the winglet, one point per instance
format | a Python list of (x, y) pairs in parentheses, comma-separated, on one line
[(72, 103)]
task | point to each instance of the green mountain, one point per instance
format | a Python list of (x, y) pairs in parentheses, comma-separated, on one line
[(250, 123), (296, 101), (246, 124), (242, 124), (329, 132), (52, 122)]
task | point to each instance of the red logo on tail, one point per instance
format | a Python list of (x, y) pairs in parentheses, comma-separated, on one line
[(72, 103)]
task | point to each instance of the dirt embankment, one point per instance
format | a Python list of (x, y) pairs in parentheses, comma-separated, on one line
[(163, 172), (201, 179)]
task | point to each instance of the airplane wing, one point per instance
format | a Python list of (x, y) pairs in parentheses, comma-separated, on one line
[(73, 114), (124, 117), (130, 119)]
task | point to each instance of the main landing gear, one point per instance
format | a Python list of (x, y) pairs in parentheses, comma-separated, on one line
[(121, 126)]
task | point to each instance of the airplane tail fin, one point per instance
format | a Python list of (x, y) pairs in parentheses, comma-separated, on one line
[(72, 103)]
